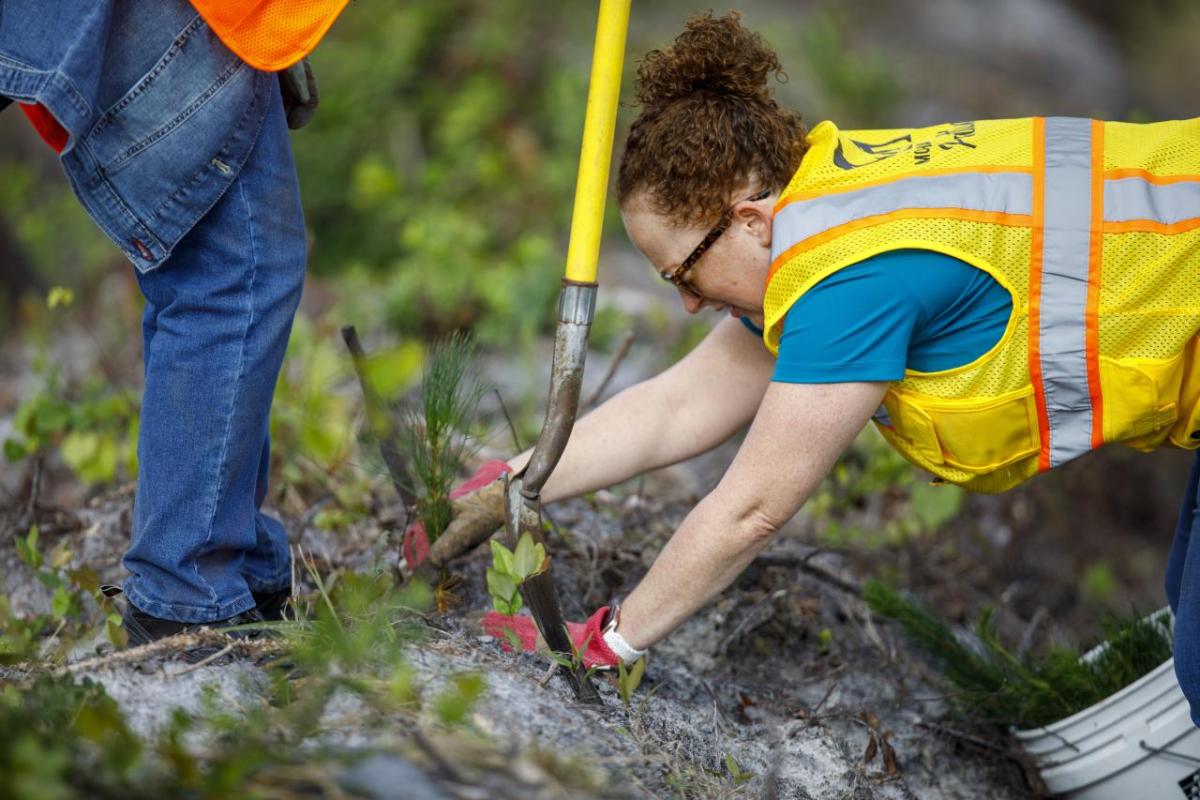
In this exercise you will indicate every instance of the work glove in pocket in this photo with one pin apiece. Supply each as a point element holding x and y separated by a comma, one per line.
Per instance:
<point>300,96</point>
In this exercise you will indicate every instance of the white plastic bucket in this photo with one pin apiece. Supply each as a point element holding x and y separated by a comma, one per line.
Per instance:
<point>1107,751</point>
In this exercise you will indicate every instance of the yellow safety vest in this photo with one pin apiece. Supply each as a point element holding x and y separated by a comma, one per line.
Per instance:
<point>1093,227</point>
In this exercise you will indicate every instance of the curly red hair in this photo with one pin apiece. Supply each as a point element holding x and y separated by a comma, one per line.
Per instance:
<point>709,126</point>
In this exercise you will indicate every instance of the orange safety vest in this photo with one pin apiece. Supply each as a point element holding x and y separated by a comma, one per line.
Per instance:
<point>270,34</point>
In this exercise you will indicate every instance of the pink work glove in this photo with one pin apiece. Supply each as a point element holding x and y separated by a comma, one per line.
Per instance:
<point>589,635</point>
<point>415,547</point>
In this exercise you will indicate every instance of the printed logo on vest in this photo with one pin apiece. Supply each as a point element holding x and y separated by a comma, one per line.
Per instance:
<point>956,135</point>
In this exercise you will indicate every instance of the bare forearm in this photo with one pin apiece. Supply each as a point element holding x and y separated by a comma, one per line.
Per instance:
<point>797,437</point>
<point>666,419</point>
<point>710,549</point>
<point>627,435</point>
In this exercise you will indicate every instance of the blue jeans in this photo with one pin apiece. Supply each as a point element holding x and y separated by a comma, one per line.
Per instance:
<point>179,153</point>
<point>216,325</point>
<point>1183,591</point>
<point>160,115</point>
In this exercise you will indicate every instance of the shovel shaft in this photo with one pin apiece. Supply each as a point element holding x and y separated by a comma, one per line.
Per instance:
<point>599,123</point>
<point>576,309</point>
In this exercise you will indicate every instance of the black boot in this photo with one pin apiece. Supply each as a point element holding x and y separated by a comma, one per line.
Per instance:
<point>142,628</point>
<point>274,605</point>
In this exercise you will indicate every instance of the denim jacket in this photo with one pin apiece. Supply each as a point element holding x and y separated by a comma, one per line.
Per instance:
<point>160,114</point>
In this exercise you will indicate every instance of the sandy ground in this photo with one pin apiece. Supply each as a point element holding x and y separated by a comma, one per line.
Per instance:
<point>749,678</point>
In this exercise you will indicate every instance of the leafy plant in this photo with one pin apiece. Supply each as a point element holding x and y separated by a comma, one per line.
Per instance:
<point>736,772</point>
<point>512,568</point>
<point>994,685</point>
<point>458,698</point>
<point>51,635</point>
<point>59,739</point>
<point>1098,583</point>
<point>311,422</point>
<point>629,678</point>
<point>872,472</point>
<point>452,201</point>
<point>92,426</point>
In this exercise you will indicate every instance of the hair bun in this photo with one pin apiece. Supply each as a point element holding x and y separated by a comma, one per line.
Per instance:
<point>713,55</point>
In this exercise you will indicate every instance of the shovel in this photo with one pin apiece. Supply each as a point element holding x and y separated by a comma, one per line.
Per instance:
<point>576,309</point>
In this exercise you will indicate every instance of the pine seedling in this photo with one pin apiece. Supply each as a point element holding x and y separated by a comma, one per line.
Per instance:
<point>994,685</point>
<point>435,429</point>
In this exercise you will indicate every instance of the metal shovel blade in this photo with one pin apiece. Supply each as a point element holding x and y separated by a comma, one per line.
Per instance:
<point>576,308</point>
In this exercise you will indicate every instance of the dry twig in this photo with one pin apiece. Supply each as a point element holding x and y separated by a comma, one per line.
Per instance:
<point>618,357</point>
<point>174,644</point>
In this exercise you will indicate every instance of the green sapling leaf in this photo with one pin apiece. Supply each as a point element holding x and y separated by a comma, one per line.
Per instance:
<point>27,548</point>
<point>502,558</point>
<point>513,639</point>
<point>14,450</point>
<point>60,604</point>
<point>503,590</point>
<point>524,562</point>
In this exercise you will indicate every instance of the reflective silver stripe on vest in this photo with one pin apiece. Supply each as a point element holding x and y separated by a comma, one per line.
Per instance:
<point>1062,338</point>
<point>882,416</point>
<point>1135,198</point>
<point>1003,192</point>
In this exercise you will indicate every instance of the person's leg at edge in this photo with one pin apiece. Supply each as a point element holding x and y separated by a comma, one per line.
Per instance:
<point>219,314</point>
<point>1182,583</point>
<point>268,569</point>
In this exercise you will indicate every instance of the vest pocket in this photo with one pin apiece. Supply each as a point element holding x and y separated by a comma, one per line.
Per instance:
<point>1139,405</point>
<point>977,436</point>
<point>1186,432</point>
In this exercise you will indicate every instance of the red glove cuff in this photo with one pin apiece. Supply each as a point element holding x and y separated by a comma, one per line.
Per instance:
<point>489,472</point>
<point>415,545</point>
<point>598,654</point>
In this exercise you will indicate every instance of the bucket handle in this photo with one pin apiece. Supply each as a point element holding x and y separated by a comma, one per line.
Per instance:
<point>1165,751</point>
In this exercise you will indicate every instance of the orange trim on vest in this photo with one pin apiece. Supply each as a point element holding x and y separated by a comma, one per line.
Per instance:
<point>1149,177</point>
<point>270,35</point>
<point>1035,289</point>
<point>1150,226</point>
<point>1092,313</point>
<point>798,196</point>
<point>966,214</point>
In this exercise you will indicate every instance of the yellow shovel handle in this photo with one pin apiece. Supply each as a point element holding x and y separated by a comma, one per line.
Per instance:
<point>591,186</point>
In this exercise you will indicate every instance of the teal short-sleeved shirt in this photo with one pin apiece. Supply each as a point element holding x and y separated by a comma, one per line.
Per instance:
<point>904,309</point>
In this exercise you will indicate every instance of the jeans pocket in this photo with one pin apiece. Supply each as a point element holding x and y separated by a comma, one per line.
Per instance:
<point>190,76</point>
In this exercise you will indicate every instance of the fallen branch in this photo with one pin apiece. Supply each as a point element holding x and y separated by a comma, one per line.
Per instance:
<point>173,644</point>
<point>968,738</point>
<point>224,651</point>
<point>389,443</point>
<point>804,563</point>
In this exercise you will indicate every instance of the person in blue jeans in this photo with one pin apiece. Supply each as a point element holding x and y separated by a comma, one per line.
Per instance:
<point>179,152</point>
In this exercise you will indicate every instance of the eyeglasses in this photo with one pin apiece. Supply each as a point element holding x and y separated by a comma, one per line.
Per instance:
<point>675,276</point>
